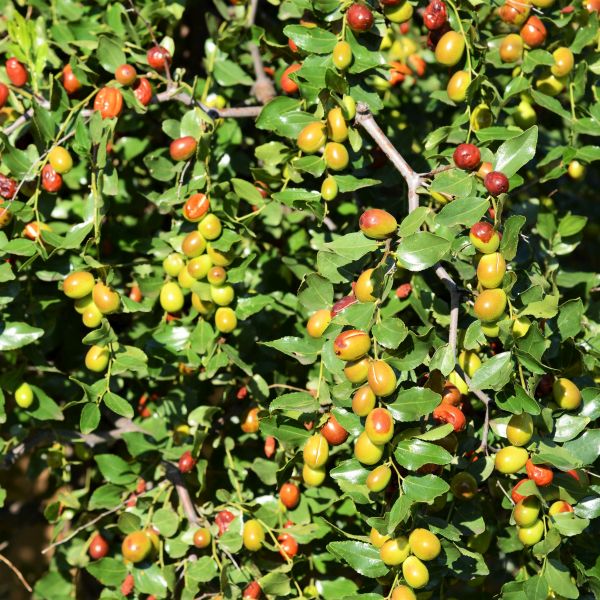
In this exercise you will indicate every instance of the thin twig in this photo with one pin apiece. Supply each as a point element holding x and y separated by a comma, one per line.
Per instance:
<point>215,113</point>
<point>16,572</point>
<point>436,171</point>
<point>174,476</point>
<point>454,306</point>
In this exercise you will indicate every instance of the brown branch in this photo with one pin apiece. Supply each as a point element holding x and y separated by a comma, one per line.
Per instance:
<point>216,113</point>
<point>174,476</point>
<point>263,88</point>
<point>454,306</point>
<point>436,171</point>
<point>16,572</point>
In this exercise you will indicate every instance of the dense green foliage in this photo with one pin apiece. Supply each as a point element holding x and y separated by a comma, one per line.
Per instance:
<point>187,410</point>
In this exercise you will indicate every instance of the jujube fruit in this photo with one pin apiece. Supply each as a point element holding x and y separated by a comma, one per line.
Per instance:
<point>449,50</point>
<point>484,237</point>
<point>109,102</point>
<point>513,11</point>
<point>377,539</point>
<point>253,535</point>
<point>173,264</point>
<point>329,188</point>
<point>287,84</point>
<point>352,344</point>
<point>202,538</point>
<point>318,323</point>
<point>521,326</point>
<point>78,284</point>
<point>312,137</point>
<point>511,48</point>
<point>223,520</point>
<point>158,57</point>
<point>195,207</point>
<point>496,183</point>
<point>491,270</point>
<point>435,15</point>
<point>402,592</point>
<point>510,459</point>
<point>316,451</point>
<point>225,319</point>
<point>313,477</point>
<point>359,17</point>
<point>98,547</point>
<point>136,547</point>
<point>142,90</point>
<point>399,12</point>
<point>558,507</point>
<point>222,295</point>
<point>576,170</point>
<point>467,157</point>
<point>16,72</point>
<point>379,426</point>
<point>125,74</point>
<point>333,432</point>
<point>69,80</point>
<point>378,478</point>
<point>171,297</point>
<point>363,290</point>
<point>24,395</point>
<point>220,259</point>
<point>377,224</point>
<point>183,148</point>
<point>342,55</point>
<point>288,546</point>
<point>519,430</point>
<point>534,32</point>
<point>381,378</point>
<point>186,462</point>
<point>336,156</point>
<point>515,494</point>
<point>563,62</point>
<point>415,572</point>
<point>424,544</point>
<point>289,494</point>
<point>60,159</point>
<point>251,592</point>
<point>458,85</point>
<point>51,180</point>
<point>105,299</point>
<point>531,535</point>
<point>451,394</point>
<point>447,413</point>
<point>210,227</point>
<point>395,551</point>
<point>365,451</point>
<point>363,401</point>
<point>490,305</point>
<point>337,129</point>
<point>251,422</point>
<point>566,394</point>
<point>193,244</point>
<point>540,474</point>
<point>199,266</point>
<point>216,275</point>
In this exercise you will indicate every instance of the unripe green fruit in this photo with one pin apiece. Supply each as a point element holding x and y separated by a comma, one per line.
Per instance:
<point>529,536</point>
<point>563,62</point>
<point>415,572</point>
<point>491,270</point>
<point>24,395</point>
<point>377,539</point>
<point>210,227</point>
<point>349,107</point>
<point>524,115</point>
<point>463,486</point>
<point>254,535</point>
<point>550,85</point>
<point>469,362</point>
<point>222,295</point>
<point>521,326</point>
<point>79,284</point>
<point>526,511</point>
<point>316,451</point>
<point>342,55</point>
<point>225,319</point>
<point>220,259</point>
<point>97,358</point>
<point>171,297</point>
<point>458,85</point>
<point>329,188</point>
<point>566,394</point>
<point>379,426</point>
<point>312,138</point>
<point>399,13</point>
<point>490,305</point>
<point>173,264</point>
<point>395,551</point>
<point>91,317</point>
<point>365,451</point>
<point>313,477</point>
<point>185,279</point>
<point>378,478</point>
<point>352,344</point>
<point>424,544</point>
<point>199,267</point>
<point>377,224</point>
<point>455,379</point>
<point>511,459</point>
<point>382,379</point>
<point>363,290</point>
<point>519,430</point>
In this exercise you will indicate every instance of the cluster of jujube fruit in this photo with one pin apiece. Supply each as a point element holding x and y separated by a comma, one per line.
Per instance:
<point>199,260</point>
